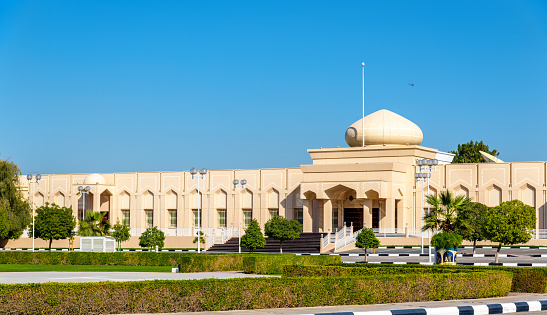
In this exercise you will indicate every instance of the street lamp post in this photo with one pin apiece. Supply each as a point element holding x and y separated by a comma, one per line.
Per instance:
<point>84,191</point>
<point>29,178</point>
<point>428,165</point>
<point>202,173</point>
<point>239,185</point>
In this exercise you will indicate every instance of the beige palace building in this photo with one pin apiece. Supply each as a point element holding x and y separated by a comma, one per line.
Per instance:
<point>374,185</point>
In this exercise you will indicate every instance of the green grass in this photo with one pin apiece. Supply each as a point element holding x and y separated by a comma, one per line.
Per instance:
<point>82,268</point>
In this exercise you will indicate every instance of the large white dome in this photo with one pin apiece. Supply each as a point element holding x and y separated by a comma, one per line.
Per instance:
<point>384,128</point>
<point>94,178</point>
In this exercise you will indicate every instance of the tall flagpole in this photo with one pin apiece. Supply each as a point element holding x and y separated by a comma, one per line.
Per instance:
<point>363,120</point>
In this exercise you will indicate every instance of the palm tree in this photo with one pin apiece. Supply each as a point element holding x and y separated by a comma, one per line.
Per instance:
<point>95,224</point>
<point>444,214</point>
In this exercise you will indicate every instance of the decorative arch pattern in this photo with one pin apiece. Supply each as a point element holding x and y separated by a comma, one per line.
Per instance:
<point>528,195</point>
<point>60,199</point>
<point>221,199</point>
<point>148,200</point>
<point>246,199</point>
<point>493,196</point>
<point>273,199</point>
<point>461,191</point>
<point>171,199</point>
<point>125,200</point>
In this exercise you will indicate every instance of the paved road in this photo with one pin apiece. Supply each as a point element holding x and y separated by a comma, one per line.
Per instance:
<point>41,277</point>
<point>513,255</point>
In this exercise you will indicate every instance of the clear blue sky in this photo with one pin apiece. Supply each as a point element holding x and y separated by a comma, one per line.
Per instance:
<point>127,86</point>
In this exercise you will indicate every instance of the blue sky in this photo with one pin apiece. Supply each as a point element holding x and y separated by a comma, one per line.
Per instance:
<point>127,86</point>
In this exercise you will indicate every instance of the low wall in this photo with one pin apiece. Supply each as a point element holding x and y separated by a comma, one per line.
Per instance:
<point>133,242</point>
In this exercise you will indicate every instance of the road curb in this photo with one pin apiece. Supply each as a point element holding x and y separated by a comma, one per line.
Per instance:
<point>481,309</point>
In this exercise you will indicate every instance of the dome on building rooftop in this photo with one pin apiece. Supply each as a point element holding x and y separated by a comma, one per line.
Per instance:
<point>384,128</point>
<point>94,178</point>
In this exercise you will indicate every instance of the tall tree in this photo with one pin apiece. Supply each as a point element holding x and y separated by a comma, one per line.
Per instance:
<point>253,237</point>
<point>282,229</point>
<point>94,224</point>
<point>366,239</point>
<point>53,223</point>
<point>470,222</point>
<point>120,232</point>
<point>443,215</point>
<point>469,152</point>
<point>512,222</point>
<point>151,238</point>
<point>15,211</point>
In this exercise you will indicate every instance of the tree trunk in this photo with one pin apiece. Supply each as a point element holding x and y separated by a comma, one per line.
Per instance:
<point>474,246</point>
<point>281,247</point>
<point>498,252</point>
<point>50,241</point>
<point>366,255</point>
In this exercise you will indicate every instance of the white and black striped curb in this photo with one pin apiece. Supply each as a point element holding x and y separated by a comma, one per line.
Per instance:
<point>503,308</point>
<point>460,264</point>
<point>77,250</point>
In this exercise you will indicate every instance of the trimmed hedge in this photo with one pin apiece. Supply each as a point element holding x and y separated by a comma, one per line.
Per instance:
<point>187,262</point>
<point>273,263</point>
<point>243,294</point>
<point>525,279</point>
<point>349,271</point>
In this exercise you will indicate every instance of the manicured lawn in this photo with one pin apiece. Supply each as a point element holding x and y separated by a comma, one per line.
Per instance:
<point>28,268</point>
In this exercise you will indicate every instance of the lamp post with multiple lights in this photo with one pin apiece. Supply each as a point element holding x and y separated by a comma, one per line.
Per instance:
<point>84,191</point>
<point>30,181</point>
<point>239,185</point>
<point>428,165</point>
<point>202,173</point>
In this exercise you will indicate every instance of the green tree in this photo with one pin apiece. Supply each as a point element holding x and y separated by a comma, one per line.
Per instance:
<point>95,224</point>
<point>470,222</point>
<point>253,237</point>
<point>15,211</point>
<point>445,241</point>
<point>469,152</point>
<point>366,239</point>
<point>201,238</point>
<point>151,238</point>
<point>512,222</point>
<point>53,223</point>
<point>443,215</point>
<point>120,232</point>
<point>282,229</point>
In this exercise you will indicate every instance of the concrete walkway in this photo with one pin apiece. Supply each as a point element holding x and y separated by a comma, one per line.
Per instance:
<point>52,276</point>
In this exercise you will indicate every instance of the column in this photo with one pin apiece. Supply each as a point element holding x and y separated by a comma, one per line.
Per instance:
<point>307,215</point>
<point>389,219</point>
<point>367,212</point>
<point>327,216</point>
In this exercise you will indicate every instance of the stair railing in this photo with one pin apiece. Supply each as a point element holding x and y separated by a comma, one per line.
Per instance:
<point>209,241</point>
<point>326,240</point>
<point>346,240</point>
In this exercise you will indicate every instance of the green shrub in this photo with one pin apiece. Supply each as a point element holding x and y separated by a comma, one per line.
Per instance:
<point>525,279</point>
<point>445,240</point>
<point>243,294</point>
<point>187,262</point>
<point>273,263</point>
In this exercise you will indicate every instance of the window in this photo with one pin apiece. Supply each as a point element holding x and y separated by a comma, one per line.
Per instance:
<point>173,218</point>
<point>196,222</point>
<point>299,215</point>
<point>247,217</point>
<point>149,218</point>
<point>334,219</point>
<point>273,212</point>
<point>126,217</point>
<point>221,218</point>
